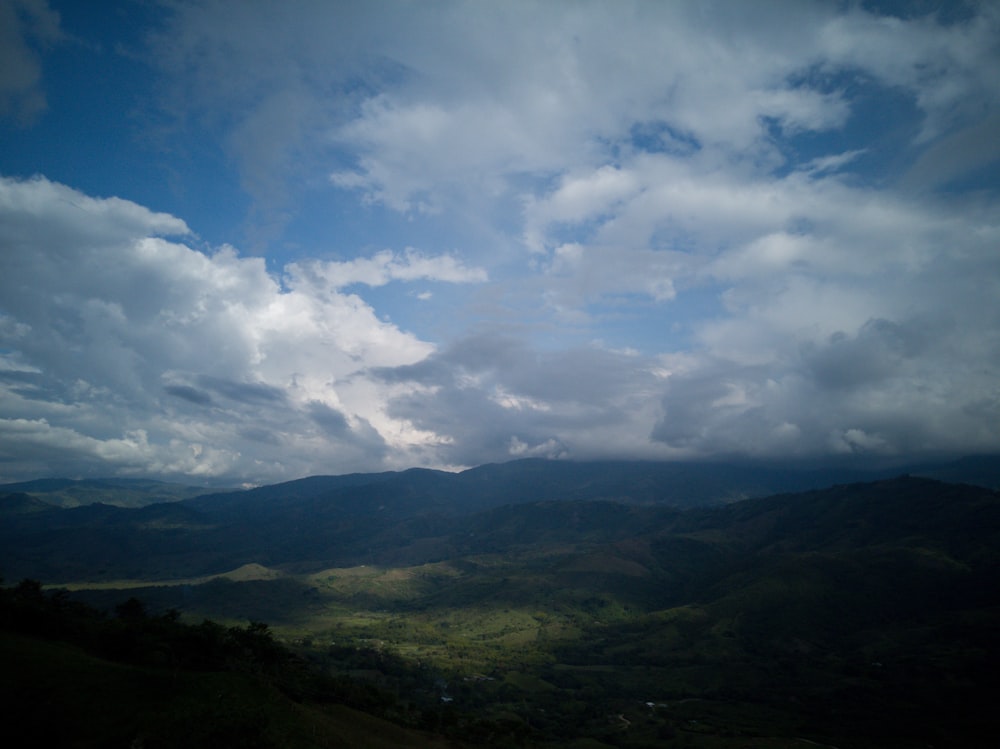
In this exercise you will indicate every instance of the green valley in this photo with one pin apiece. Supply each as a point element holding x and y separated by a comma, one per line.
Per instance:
<point>862,615</point>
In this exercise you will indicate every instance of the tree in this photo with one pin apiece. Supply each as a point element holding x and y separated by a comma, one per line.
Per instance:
<point>133,610</point>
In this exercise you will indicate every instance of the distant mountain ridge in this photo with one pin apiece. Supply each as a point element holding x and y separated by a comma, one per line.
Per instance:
<point>339,520</point>
<point>18,503</point>
<point>679,484</point>
<point>689,483</point>
<point>120,492</point>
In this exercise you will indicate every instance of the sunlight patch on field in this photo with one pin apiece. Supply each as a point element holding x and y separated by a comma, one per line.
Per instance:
<point>383,584</point>
<point>603,563</point>
<point>242,574</point>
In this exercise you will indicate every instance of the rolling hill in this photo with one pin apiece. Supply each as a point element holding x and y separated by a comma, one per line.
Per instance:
<point>119,492</point>
<point>339,520</point>
<point>600,606</point>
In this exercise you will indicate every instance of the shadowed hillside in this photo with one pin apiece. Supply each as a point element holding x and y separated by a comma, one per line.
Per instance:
<point>74,677</point>
<point>110,491</point>
<point>861,615</point>
<point>323,521</point>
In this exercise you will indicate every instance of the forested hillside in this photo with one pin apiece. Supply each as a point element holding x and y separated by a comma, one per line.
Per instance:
<point>861,615</point>
<point>324,521</point>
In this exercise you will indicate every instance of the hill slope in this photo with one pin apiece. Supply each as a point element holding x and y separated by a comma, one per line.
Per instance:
<point>110,491</point>
<point>326,521</point>
<point>862,615</point>
<point>72,678</point>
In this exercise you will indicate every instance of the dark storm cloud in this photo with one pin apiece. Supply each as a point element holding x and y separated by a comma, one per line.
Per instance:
<point>243,392</point>
<point>337,427</point>
<point>885,389</point>
<point>190,394</point>
<point>478,429</point>
<point>876,352</point>
<point>261,435</point>
<point>493,397</point>
<point>591,375</point>
<point>688,406</point>
<point>331,421</point>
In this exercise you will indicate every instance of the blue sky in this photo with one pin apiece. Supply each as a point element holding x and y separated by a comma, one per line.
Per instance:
<point>243,242</point>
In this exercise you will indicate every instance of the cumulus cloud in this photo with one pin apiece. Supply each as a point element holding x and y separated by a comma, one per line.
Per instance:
<point>123,344</point>
<point>700,229</point>
<point>629,126</point>
<point>492,397</point>
<point>536,98</point>
<point>434,110</point>
<point>940,65</point>
<point>777,384</point>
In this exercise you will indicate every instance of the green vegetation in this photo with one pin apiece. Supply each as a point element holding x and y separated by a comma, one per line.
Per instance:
<point>73,677</point>
<point>860,616</point>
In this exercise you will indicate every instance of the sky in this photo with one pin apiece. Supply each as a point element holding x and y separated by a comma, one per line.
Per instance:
<point>245,242</point>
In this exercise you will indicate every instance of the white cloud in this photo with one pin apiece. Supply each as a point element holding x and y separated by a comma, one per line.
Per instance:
<point>496,397</point>
<point>432,106</point>
<point>762,201</point>
<point>147,355</point>
<point>550,449</point>
<point>436,105</point>
<point>386,266</point>
<point>579,198</point>
<point>578,274</point>
<point>949,70</point>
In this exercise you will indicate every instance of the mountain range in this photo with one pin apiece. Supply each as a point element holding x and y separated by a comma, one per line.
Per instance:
<point>138,529</point>
<point>592,605</point>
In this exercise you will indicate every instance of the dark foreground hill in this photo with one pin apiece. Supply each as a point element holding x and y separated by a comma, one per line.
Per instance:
<point>73,677</point>
<point>861,615</point>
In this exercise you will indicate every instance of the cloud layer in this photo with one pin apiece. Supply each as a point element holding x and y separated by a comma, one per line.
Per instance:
<point>125,346</point>
<point>650,230</point>
<point>25,25</point>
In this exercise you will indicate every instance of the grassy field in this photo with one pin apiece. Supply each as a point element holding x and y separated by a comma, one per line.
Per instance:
<point>498,641</point>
